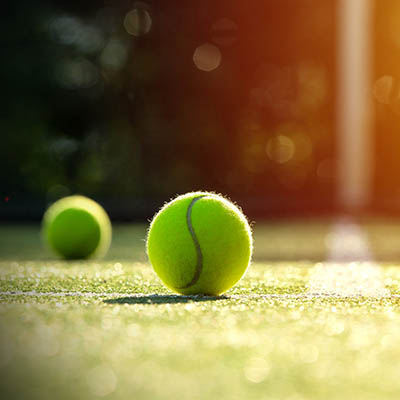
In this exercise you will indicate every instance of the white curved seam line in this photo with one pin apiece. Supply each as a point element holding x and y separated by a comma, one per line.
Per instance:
<point>199,254</point>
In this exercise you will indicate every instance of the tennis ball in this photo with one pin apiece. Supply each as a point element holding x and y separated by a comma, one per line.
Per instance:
<point>199,243</point>
<point>77,227</point>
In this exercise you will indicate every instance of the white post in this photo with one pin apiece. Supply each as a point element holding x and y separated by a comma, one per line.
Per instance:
<point>354,112</point>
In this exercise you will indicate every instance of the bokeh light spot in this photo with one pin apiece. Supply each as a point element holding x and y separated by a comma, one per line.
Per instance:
<point>308,354</point>
<point>383,88</point>
<point>275,89</point>
<point>65,29</point>
<point>302,142</point>
<point>77,74</point>
<point>69,30</point>
<point>254,157</point>
<point>207,57</point>
<point>280,149</point>
<point>224,32</point>
<point>114,55</point>
<point>256,370</point>
<point>91,40</point>
<point>138,22</point>
<point>101,381</point>
<point>62,147</point>
<point>312,86</point>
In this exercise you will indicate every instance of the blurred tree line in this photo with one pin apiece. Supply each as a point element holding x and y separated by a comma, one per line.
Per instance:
<point>124,100</point>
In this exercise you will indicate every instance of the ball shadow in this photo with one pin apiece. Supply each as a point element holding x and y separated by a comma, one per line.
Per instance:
<point>163,299</point>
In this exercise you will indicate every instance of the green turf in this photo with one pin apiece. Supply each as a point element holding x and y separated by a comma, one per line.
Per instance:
<point>109,329</point>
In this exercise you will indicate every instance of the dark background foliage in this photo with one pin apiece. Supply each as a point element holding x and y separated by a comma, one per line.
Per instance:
<point>105,99</point>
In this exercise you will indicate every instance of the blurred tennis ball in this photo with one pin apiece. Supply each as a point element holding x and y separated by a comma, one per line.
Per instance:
<point>77,227</point>
<point>200,243</point>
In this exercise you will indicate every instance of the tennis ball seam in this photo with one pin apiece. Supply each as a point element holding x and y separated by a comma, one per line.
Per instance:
<point>199,263</point>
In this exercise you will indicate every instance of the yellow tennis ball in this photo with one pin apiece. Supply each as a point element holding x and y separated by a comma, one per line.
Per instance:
<point>77,227</point>
<point>200,243</point>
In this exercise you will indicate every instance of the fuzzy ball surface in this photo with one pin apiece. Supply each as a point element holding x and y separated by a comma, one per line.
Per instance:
<point>200,243</point>
<point>77,227</point>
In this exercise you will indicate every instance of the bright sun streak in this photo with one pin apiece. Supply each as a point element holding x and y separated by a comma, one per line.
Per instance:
<point>350,269</point>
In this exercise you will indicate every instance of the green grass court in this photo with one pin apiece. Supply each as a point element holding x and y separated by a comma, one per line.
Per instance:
<point>109,329</point>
